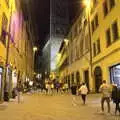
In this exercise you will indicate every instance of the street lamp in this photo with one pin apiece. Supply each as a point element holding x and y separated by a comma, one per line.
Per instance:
<point>66,41</point>
<point>35,49</point>
<point>87,3</point>
<point>31,83</point>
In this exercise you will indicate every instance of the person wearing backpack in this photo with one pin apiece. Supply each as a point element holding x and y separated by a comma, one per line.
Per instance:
<point>83,91</point>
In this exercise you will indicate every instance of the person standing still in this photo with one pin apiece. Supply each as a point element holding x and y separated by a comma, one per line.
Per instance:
<point>105,89</point>
<point>83,91</point>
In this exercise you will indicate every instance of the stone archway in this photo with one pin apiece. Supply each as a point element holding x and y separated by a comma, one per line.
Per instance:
<point>98,78</point>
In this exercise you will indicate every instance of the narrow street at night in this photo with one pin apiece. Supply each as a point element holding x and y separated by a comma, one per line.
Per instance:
<point>58,107</point>
<point>54,53</point>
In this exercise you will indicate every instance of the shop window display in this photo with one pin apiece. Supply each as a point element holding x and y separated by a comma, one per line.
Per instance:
<point>115,74</point>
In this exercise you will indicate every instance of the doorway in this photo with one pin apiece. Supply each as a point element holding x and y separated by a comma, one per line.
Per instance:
<point>86,77</point>
<point>98,78</point>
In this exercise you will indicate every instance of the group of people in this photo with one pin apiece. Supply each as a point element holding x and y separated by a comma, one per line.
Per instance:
<point>109,93</point>
<point>56,87</point>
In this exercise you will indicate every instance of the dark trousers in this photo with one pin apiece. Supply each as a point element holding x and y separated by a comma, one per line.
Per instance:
<point>107,99</point>
<point>83,98</point>
<point>117,108</point>
<point>57,89</point>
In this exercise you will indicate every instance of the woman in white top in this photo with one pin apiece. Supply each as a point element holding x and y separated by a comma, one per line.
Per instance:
<point>83,91</point>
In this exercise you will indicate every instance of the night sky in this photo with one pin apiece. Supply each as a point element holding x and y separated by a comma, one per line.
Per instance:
<point>40,17</point>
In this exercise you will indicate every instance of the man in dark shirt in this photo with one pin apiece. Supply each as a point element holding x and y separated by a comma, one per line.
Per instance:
<point>73,91</point>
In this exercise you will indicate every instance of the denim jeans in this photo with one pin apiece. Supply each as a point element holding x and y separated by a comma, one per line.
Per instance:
<point>107,99</point>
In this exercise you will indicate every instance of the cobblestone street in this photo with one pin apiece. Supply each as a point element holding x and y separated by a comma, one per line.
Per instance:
<point>59,107</point>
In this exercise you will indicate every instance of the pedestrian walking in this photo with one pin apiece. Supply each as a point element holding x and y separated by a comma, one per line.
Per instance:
<point>52,88</point>
<point>46,88</point>
<point>19,92</point>
<point>74,91</point>
<point>105,89</point>
<point>116,98</point>
<point>57,86</point>
<point>66,87</point>
<point>14,93</point>
<point>83,90</point>
<point>49,89</point>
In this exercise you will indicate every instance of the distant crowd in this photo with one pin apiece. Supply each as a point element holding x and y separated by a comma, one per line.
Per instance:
<point>110,92</point>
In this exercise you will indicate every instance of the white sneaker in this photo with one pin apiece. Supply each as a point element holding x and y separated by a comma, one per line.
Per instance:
<point>101,112</point>
<point>74,104</point>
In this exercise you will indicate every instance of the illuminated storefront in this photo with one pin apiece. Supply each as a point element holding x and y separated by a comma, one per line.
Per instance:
<point>115,74</point>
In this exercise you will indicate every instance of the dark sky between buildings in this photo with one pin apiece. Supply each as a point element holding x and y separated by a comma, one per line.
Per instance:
<point>40,17</point>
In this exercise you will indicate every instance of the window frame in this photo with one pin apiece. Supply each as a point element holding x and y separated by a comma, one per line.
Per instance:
<point>105,8</point>
<point>111,4</point>
<point>108,37</point>
<point>115,33</point>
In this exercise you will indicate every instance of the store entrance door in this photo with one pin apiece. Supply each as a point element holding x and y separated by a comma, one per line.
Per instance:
<point>98,78</point>
<point>115,74</point>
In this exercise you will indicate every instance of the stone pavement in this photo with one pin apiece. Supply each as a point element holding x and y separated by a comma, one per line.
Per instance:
<point>59,107</point>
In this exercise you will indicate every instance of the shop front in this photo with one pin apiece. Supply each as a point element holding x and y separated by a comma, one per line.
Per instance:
<point>1,79</point>
<point>115,74</point>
